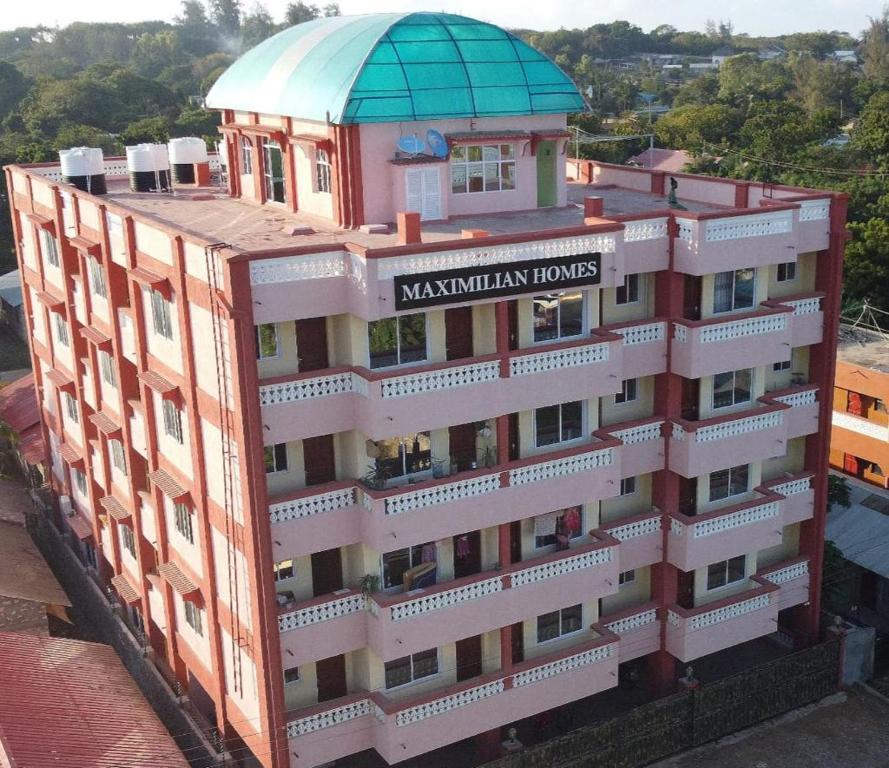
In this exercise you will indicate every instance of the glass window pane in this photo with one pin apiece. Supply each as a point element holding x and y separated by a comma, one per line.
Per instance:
<point>572,619</point>
<point>492,177</point>
<point>425,663</point>
<point>458,178</point>
<point>458,153</point>
<point>382,341</point>
<point>507,151</point>
<point>716,575</point>
<point>546,423</point>
<point>736,567</point>
<point>476,180</point>
<point>546,317</point>
<point>474,154</point>
<point>572,420</point>
<point>722,291</point>
<point>571,314</point>
<point>398,672</point>
<point>547,626</point>
<point>507,175</point>
<point>719,484</point>
<point>412,333</point>
<point>744,284</point>
<point>491,153</point>
<point>738,481</point>
<point>743,385</point>
<point>394,565</point>
<point>723,389</point>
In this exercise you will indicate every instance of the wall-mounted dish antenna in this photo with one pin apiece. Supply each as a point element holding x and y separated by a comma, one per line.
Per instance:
<point>438,146</point>
<point>411,145</point>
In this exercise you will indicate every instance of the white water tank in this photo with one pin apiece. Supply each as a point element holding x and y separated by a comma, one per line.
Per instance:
<point>149,167</point>
<point>185,153</point>
<point>84,167</point>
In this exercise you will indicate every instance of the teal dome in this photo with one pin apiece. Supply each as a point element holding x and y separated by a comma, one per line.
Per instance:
<point>390,67</point>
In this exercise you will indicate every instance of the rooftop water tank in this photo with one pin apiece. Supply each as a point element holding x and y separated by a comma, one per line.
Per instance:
<point>149,167</point>
<point>185,153</point>
<point>84,167</point>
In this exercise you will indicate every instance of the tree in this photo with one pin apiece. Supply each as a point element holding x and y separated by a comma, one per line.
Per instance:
<point>299,12</point>
<point>866,263</point>
<point>147,130</point>
<point>838,491</point>
<point>871,133</point>
<point>693,127</point>
<point>13,87</point>
<point>743,79</point>
<point>78,135</point>
<point>256,26</point>
<point>875,50</point>
<point>226,16</point>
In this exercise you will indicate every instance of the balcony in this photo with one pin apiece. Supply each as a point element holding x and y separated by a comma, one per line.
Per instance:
<point>640,537</point>
<point>798,503</point>
<point>717,241</point>
<point>814,223</point>
<point>859,436</point>
<point>700,447</point>
<point>792,578</point>
<point>638,628</point>
<point>807,320</point>
<point>752,525</point>
<point>746,340</point>
<point>696,632</point>
<point>401,729</point>
<point>382,403</point>
<point>642,448</point>
<point>396,625</point>
<point>802,417</point>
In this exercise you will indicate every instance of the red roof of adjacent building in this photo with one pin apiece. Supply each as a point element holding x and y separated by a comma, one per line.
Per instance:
<point>20,410</point>
<point>668,160</point>
<point>71,703</point>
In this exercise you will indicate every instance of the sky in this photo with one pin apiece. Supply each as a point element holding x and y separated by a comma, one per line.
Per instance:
<point>756,17</point>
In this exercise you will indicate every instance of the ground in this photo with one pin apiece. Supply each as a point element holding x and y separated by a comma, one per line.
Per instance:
<point>846,730</point>
<point>13,351</point>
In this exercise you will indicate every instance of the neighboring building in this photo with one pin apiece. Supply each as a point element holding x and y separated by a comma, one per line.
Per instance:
<point>845,56</point>
<point>71,703</point>
<point>11,311</point>
<point>721,54</point>
<point>859,442</point>
<point>668,160</point>
<point>20,414</point>
<point>373,487</point>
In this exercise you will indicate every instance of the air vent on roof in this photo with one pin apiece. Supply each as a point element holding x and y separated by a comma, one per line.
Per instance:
<point>185,153</point>
<point>149,167</point>
<point>84,167</point>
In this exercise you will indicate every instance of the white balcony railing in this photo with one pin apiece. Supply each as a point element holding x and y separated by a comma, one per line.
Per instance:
<point>567,465</point>
<point>560,666</point>
<point>641,433</point>
<point>440,378</point>
<point>734,428</point>
<point>448,703</point>
<point>645,229</point>
<point>797,399</point>
<point>721,614</point>
<point>862,426</point>
<point>791,487</point>
<point>558,359</point>
<point>742,227</point>
<point>447,598</point>
<point>634,622</point>
<point>307,389</point>
<point>635,529</point>
<point>554,568</point>
<point>438,494</point>
<point>642,334</point>
<point>791,572</point>
<point>329,717</point>
<point>808,306</point>
<point>814,210</point>
<point>733,520</point>
<point>748,326</point>
<point>330,609</point>
<point>307,506</point>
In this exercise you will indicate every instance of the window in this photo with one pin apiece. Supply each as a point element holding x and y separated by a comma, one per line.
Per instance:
<point>734,290</point>
<point>291,675</point>
<point>266,341</point>
<point>97,278</point>
<point>49,247</point>
<point>627,486</point>
<point>410,668</point>
<point>486,168</point>
<point>322,171</point>
<point>627,393</point>
<point>787,272</point>
<point>726,572</point>
<point>784,365</point>
<point>183,521</point>
<point>193,616</point>
<point>61,329</point>
<point>558,527</point>
<point>106,367</point>
<point>118,460</point>
<point>80,481</point>
<point>558,316</point>
<point>401,456</point>
<point>246,157</point>
<point>729,482</point>
<point>627,577</point>
<point>284,569</point>
<point>275,458</point>
<point>394,564</point>
<point>71,407</point>
<point>397,340</point>
<point>559,623</point>
<point>127,538</point>
<point>731,388</point>
<point>558,423</point>
<point>628,293</point>
<point>173,421</point>
<point>160,315</point>
<point>273,171</point>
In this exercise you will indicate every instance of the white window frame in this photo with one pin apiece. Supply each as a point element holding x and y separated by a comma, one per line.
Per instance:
<point>789,270</point>
<point>246,148</point>
<point>632,288</point>
<point>626,577</point>
<point>127,538</point>
<point>183,521</point>
<point>49,247</point>
<point>551,546</point>
<point>172,421</point>
<point>259,352</point>
<point>629,392</point>
<point>118,456</point>
<point>782,365</point>
<point>61,329</point>
<point>734,307</point>
<point>561,440</point>
<point>97,278</point>
<point>729,495</point>
<point>106,368</point>
<point>414,680</point>
<point>80,481</point>
<point>193,617</point>
<point>561,634</point>
<point>161,315</point>
<point>459,160</point>
<point>725,564</point>
<point>399,364</point>
<point>735,403</point>
<point>71,407</point>
<point>322,171</point>
<point>629,486</point>
<point>276,468</point>
<point>281,566</point>
<point>559,335</point>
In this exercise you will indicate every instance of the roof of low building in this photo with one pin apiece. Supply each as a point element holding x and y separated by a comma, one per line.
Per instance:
<point>392,67</point>
<point>71,703</point>
<point>18,404</point>
<point>861,530</point>
<point>657,159</point>
<point>867,347</point>
<point>11,288</point>
<point>24,574</point>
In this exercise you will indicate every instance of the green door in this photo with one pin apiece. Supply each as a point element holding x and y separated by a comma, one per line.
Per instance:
<point>546,174</point>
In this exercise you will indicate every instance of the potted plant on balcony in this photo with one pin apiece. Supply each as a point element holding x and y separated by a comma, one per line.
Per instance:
<point>368,584</point>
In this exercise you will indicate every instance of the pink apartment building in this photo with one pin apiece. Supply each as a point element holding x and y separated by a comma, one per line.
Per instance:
<point>411,427</point>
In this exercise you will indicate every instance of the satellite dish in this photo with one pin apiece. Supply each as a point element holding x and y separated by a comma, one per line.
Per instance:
<point>411,145</point>
<point>437,144</point>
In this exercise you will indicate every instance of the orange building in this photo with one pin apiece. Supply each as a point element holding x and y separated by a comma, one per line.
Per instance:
<point>859,442</point>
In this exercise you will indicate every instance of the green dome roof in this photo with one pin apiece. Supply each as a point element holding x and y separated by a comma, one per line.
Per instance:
<point>390,67</point>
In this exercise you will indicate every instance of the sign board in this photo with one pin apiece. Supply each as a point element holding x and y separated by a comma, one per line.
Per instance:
<point>453,286</point>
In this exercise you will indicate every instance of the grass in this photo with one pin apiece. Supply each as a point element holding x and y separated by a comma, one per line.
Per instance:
<point>13,351</point>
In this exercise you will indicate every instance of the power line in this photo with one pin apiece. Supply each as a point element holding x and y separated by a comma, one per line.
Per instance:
<point>796,166</point>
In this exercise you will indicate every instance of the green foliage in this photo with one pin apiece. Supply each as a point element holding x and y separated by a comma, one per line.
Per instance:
<point>871,133</point>
<point>146,130</point>
<point>695,127</point>
<point>838,491</point>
